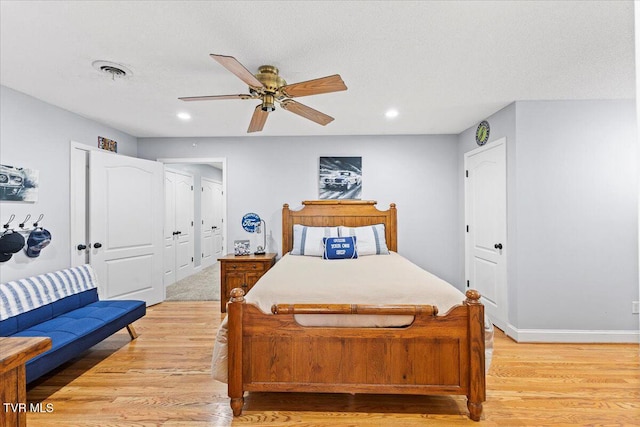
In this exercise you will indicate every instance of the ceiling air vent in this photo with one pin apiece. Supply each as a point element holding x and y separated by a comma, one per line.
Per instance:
<point>112,69</point>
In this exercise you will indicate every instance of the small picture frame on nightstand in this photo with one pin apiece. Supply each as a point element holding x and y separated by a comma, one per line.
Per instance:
<point>241,247</point>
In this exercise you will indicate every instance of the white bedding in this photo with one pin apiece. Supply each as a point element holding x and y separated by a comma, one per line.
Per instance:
<point>375,279</point>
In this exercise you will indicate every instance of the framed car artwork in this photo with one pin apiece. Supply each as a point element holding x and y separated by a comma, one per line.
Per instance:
<point>18,184</point>
<point>340,178</point>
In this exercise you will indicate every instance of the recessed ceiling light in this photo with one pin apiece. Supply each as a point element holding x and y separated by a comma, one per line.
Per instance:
<point>391,113</point>
<point>184,116</point>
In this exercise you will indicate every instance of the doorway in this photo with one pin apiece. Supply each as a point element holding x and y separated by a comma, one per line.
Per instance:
<point>209,230</point>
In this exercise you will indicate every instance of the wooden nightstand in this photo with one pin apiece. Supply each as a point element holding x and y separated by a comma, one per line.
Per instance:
<point>241,272</point>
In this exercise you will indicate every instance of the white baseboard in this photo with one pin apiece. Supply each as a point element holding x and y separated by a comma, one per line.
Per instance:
<point>572,336</point>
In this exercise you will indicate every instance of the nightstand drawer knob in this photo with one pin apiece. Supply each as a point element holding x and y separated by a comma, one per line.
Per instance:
<point>234,266</point>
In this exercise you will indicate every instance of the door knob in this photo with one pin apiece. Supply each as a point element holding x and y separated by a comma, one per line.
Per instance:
<point>82,247</point>
<point>498,246</point>
<point>97,245</point>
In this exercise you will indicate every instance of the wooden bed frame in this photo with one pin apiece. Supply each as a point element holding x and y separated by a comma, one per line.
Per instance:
<point>434,355</point>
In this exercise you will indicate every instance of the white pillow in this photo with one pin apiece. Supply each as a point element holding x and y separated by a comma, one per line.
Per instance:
<point>308,240</point>
<point>370,239</point>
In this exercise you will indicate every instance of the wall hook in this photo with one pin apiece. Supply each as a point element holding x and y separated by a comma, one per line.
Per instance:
<point>11,218</point>
<point>35,224</point>
<point>21,225</point>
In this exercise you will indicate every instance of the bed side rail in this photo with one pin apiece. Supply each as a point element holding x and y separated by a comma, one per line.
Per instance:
<point>412,310</point>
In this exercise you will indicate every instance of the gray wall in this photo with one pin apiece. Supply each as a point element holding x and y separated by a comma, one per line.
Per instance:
<point>418,173</point>
<point>572,197</point>
<point>37,135</point>
<point>577,214</point>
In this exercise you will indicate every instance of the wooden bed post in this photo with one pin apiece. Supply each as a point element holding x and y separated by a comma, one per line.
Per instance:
<point>235,381</point>
<point>287,230</point>
<point>477,385</point>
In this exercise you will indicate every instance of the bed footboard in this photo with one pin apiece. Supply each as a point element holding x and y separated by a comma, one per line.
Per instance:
<point>433,355</point>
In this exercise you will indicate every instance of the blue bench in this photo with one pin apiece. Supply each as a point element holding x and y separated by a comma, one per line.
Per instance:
<point>65,307</point>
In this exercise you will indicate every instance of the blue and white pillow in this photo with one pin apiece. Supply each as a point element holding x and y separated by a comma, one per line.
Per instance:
<point>308,240</point>
<point>371,239</point>
<point>340,248</point>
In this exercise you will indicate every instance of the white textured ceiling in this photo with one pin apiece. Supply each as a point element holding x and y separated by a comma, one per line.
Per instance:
<point>443,65</point>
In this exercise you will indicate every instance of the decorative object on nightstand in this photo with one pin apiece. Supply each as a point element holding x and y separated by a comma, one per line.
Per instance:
<point>252,223</point>
<point>242,272</point>
<point>241,247</point>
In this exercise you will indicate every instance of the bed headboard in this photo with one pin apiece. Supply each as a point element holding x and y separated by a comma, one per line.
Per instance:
<point>350,213</point>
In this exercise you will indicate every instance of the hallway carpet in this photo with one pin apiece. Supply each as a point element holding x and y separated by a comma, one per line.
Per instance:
<point>202,286</point>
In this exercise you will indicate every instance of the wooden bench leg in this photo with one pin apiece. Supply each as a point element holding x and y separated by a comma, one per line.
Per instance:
<point>132,332</point>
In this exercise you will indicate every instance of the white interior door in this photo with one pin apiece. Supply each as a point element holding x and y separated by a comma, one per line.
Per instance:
<point>218,218</point>
<point>126,221</point>
<point>184,209</point>
<point>211,221</point>
<point>169,228</point>
<point>486,219</point>
<point>79,209</point>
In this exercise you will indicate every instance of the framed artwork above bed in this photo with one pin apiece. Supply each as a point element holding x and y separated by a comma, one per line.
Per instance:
<point>340,178</point>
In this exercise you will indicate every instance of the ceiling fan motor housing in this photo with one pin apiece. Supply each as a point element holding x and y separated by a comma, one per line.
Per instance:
<point>268,76</point>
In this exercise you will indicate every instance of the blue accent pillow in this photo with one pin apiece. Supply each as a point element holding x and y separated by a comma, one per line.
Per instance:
<point>340,247</point>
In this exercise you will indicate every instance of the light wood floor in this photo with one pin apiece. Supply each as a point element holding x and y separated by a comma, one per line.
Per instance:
<point>163,378</point>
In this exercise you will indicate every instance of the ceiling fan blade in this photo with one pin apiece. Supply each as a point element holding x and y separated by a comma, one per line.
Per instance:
<point>314,87</point>
<point>258,119</point>
<point>306,112</point>
<point>215,97</point>
<point>232,64</point>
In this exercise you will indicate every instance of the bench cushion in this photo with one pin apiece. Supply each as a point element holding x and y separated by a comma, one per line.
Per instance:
<point>26,320</point>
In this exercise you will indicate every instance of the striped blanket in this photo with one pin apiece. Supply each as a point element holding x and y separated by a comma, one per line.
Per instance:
<point>27,294</point>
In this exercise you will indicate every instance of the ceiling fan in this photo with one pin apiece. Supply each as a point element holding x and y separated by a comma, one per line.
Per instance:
<point>270,88</point>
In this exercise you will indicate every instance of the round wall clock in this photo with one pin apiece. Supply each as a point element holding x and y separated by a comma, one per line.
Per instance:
<point>482,133</point>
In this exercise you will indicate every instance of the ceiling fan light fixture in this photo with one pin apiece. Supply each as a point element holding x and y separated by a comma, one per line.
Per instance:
<point>268,103</point>
<point>184,116</point>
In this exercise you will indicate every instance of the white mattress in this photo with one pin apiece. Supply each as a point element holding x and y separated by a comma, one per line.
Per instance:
<point>374,279</point>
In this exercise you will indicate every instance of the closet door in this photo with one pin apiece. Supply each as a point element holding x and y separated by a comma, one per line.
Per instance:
<point>184,211</point>
<point>169,228</point>
<point>211,222</point>
<point>178,227</point>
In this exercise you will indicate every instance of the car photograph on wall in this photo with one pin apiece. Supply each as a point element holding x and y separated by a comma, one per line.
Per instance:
<point>18,184</point>
<point>11,182</point>
<point>340,178</point>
